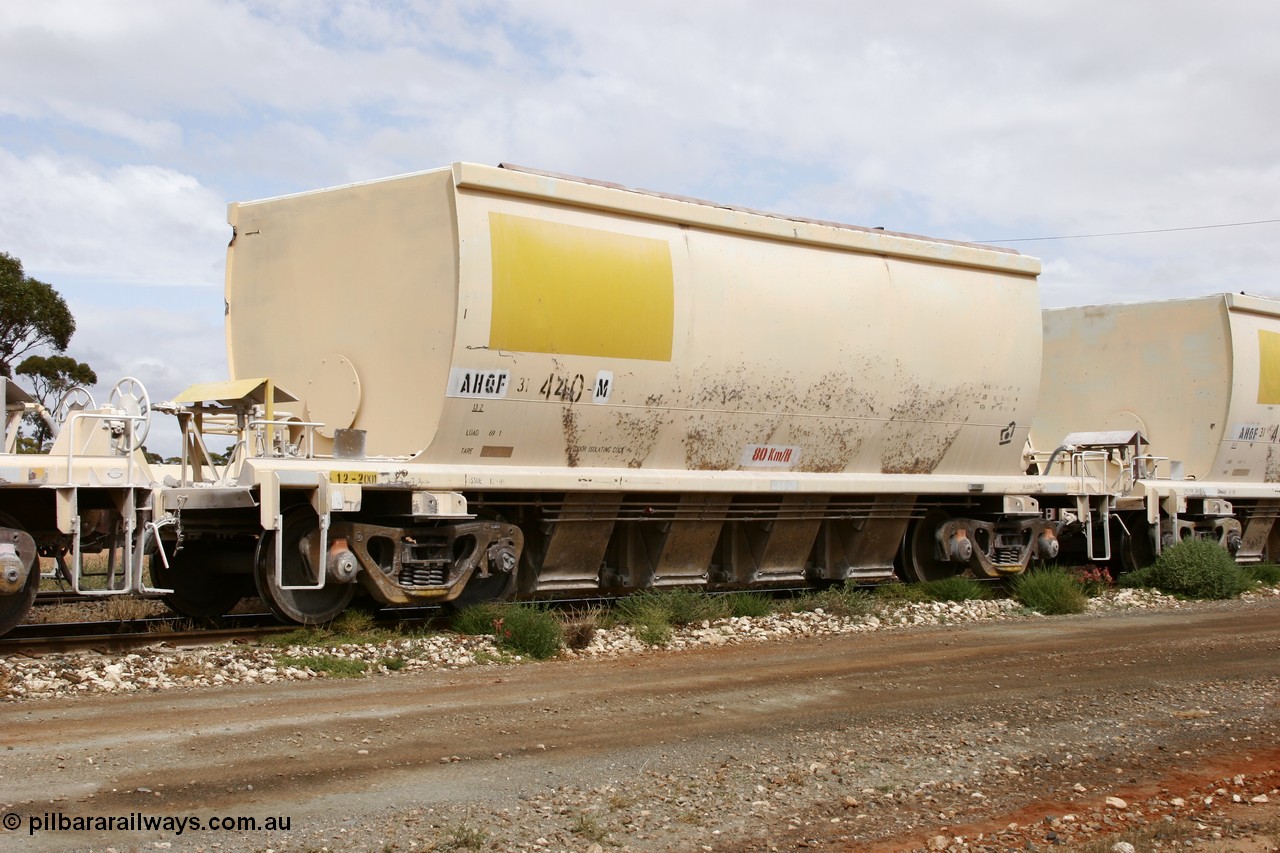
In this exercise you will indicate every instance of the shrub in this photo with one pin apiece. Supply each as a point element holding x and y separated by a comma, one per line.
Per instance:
<point>1195,568</point>
<point>1267,574</point>
<point>1050,591</point>
<point>955,589</point>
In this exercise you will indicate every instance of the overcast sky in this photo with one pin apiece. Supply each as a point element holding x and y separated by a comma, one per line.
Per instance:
<point>127,125</point>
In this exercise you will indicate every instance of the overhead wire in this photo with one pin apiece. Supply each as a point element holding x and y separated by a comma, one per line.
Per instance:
<point>1132,233</point>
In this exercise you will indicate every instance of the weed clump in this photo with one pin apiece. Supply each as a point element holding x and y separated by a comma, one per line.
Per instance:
<point>741,604</point>
<point>844,600</point>
<point>463,837</point>
<point>332,665</point>
<point>1051,591</point>
<point>580,629</point>
<point>1194,568</point>
<point>353,622</point>
<point>522,629</point>
<point>899,592</point>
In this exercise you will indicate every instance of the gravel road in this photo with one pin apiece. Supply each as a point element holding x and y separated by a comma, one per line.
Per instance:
<point>998,735</point>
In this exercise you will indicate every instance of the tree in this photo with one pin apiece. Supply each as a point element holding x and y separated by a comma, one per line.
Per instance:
<point>32,314</point>
<point>50,377</point>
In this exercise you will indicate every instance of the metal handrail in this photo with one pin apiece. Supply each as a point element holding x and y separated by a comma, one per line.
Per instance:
<point>308,432</point>
<point>1147,467</point>
<point>77,416</point>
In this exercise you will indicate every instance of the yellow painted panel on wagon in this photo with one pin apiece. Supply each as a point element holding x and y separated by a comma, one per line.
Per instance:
<point>1268,368</point>
<point>571,290</point>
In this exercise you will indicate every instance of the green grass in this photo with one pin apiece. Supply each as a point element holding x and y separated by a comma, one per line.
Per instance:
<point>352,627</point>
<point>1267,574</point>
<point>956,589</point>
<point>676,606</point>
<point>748,604</point>
<point>1193,568</point>
<point>647,615</point>
<point>329,664</point>
<point>652,615</point>
<point>476,620</point>
<point>653,631</point>
<point>529,630</point>
<point>1051,591</point>
<point>353,622</point>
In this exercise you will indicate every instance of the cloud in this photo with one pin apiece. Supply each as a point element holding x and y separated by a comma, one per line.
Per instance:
<point>168,338</point>
<point>132,224</point>
<point>988,120</point>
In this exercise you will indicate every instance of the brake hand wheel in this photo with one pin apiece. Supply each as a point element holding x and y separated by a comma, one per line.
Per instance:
<point>76,399</point>
<point>130,396</point>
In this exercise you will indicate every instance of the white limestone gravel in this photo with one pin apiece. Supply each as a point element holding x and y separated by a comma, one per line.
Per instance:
<point>162,668</point>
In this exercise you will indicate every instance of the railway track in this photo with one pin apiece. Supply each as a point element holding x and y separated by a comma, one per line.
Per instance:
<point>122,636</point>
<point>115,636</point>
<point>46,598</point>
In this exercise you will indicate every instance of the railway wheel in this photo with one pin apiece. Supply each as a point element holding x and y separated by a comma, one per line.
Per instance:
<point>1135,549</point>
<point>14,606</point>
<point>921,559</point>
<point>203,588</point>
<point>500,585</point>
<point>497,587</point>
<point>300,538</point>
